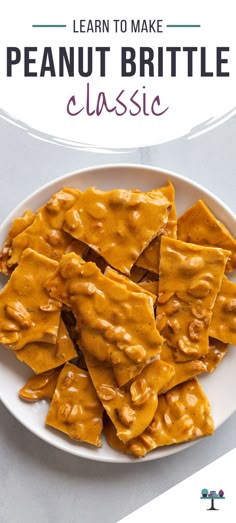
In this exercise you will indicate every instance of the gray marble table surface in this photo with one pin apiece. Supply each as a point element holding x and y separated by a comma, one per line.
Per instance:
<point>38,482</point>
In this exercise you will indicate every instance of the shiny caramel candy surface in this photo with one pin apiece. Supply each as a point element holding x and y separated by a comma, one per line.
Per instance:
<point>117,224</point>
<point>117,306</point>
<point>115,324</point>
<point>183,414</point>
<point>42,356</point>
<point>27,313</point>
<point>131,409</point>
<point>125,372</point>
<point>18,226</point>
<point>190,279</point>
<point>75,408</point>
<point>130,285</point>
<point>151,286</point>
<point>150,257</point>
<point>184,371</point>
<point>223,323</point>
<point>199,225</point>
<point>45,235</point>
<point>41,386</point>
<point>217,351</point>
<point>137,274</point>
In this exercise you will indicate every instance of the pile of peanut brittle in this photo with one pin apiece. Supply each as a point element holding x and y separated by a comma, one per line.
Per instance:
<point>117,306</point>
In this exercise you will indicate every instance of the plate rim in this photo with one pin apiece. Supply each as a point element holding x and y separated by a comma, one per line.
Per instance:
<point>98,167</point>
<point>86,454</point>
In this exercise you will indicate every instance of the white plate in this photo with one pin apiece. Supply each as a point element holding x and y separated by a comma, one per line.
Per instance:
<point>220,387</point>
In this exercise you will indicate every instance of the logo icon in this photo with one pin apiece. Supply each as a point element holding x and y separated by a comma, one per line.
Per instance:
<point>212,495</point>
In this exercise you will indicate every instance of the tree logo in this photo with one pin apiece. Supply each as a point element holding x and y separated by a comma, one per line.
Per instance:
<point>212,495</point>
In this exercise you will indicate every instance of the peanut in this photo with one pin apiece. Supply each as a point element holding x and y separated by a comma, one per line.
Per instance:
<point>195,328</point>
<point>106,392</point>
<point>18,312</point>
<point>139,391</point>
<point>135,353</point>
<point>200,289</point>
<point>126,415</point>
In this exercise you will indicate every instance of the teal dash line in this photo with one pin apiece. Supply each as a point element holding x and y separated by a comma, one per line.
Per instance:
<point>183,25</point>
<point>48,25</point>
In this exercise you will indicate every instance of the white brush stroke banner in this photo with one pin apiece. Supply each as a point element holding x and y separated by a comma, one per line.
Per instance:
<point>195,104</point>
<point>183,502</point>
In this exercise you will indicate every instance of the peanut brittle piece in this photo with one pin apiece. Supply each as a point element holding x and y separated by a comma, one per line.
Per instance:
<point>151,286</point>
<point>75,408</point>
<point>130,285</point>
<point>44,356</point>
<point>183,414</point>
<point>112,439</point>
<point>130,409</point>
<point>184,371</point>
<point>96,258</point>
<point>18,225</point>
<point>223,323</point>
<point>117,224</point>
<point>77,247</point>
<point>115,324</point>
<point>199,225</point>
<point>70,323</point>
<point>27,313</point>
<point>149,277</point>
<point>45,234</point>
<point>216,353</point>
<point>41,386</point>
<point>150,257</point>
<point>137,274</point>
<point>127,371</point>
<point>190,279</point>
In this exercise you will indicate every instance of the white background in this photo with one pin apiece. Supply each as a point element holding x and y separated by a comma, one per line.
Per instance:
<point>183,503</point>
<point>195,104</point>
